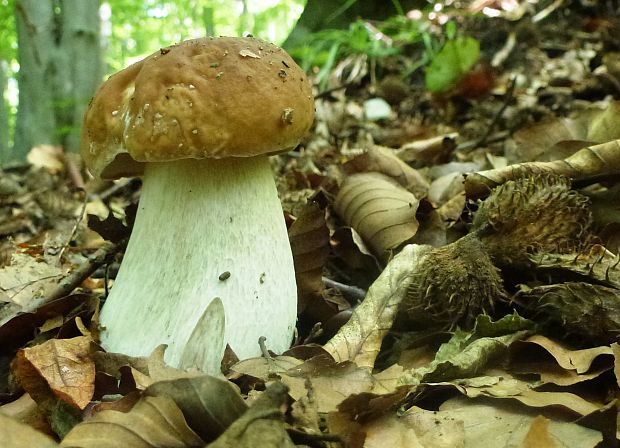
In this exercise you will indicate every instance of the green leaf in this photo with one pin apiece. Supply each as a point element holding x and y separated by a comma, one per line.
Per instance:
<point>448,66</point>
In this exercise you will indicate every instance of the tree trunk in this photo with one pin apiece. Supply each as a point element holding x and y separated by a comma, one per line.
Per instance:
<point>4,116</point>
<point>60,67</point>
<point>322,14</point>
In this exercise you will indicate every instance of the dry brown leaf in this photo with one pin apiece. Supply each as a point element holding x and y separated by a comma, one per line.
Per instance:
<point>430,151</point>
<point>379,209</point>
<point>507,387</point>
<point>383,160</point>
<point>262,426</point>
<point>415,428</point>
<point>65,365</point>
<point>309,238</point>
<point>616,350</point>
<point>27,278</point>
<point>209,404</point>
<point>598,160</point>
<point>154,422</point>
<point>538,435</point>
<point>489,425</point>
<point>263,368</point>
<point>14,434</point>
<point>359,340</point>
<point>305,412</point>
<point>332,382</point>
<point>25,410</point>
<point>577,360</point>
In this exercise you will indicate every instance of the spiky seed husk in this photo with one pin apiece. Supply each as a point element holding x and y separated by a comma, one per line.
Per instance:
<point>538,213</point>
<point>590,312</point>
<point>453,285</point>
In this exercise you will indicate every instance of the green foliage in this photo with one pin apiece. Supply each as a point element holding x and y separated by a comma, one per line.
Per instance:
<point>446,63</point>
<point>453,61</point>
<point>326,47</point>
<point>8,39</point>
<point>137,28</point>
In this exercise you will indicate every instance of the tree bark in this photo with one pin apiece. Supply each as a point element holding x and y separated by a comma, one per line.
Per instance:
<point>60,67</point>
<point>4,116</point>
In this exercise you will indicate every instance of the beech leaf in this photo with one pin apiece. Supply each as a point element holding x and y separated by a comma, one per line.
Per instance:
<point>359,340</point>
<point>209,404</point>
<point>65,365</point>
<point>154,422</point>
<point>379,209</point>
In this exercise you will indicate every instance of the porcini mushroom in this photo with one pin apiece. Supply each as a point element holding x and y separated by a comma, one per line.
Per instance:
<point>198,120</point>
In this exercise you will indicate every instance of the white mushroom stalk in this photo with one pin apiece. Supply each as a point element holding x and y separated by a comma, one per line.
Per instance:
<point>209,261</point>
<point>204,229</point>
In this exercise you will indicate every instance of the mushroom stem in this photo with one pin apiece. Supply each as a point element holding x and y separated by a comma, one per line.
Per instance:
<point>204,229</point>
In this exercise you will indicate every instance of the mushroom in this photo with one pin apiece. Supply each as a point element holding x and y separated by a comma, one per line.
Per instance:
<point>198,121</point>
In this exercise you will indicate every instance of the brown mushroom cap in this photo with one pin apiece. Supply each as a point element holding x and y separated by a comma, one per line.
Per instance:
<point>202,98</point>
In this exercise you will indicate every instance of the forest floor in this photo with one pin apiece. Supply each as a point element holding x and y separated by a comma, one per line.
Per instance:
<point>456,257</point>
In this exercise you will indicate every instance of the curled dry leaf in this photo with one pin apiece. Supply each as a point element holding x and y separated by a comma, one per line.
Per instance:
<point>555,363</point>
<point>154,422</point>
<point>209,404</point>
<point>331,381</point>
<point>380,210</point>
<point>65,365</point>
<point>432,150</point>
<point>383,160</point>
<point>578,360</point>
<point>14,434</point>
<point>262,426</point>
<point>309,237</point>
<point>561,137</point>
<point>592,161</point>
<point>359,340</point>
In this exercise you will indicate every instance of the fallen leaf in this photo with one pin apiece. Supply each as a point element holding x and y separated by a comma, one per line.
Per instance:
<point>14,434</point>
<point>309,238</point>
<point>262,426</point>
<point>383,160</point>
<point>415,428</point>
<point>379,209</point>
<point>27,278</point>
<point>491,425</point>
<point>592,161</point>
<point>359,340</point>
<point>209,404</point>
<point>154,422</point>
<point>579,361</point>
<point>65,365</point>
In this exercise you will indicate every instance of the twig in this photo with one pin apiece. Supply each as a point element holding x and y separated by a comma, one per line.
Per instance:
<point>263,347</point>
<point>73,280</point>
<point>542,14</point>
<point>507,98</point>
<point>353,292</point>
<point>315,332</point>
<point>471,144</point>
<point>75,226</point>
<point>74,171</point>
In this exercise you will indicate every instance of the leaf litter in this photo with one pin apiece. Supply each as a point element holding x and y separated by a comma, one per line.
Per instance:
<point>456,261</point>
